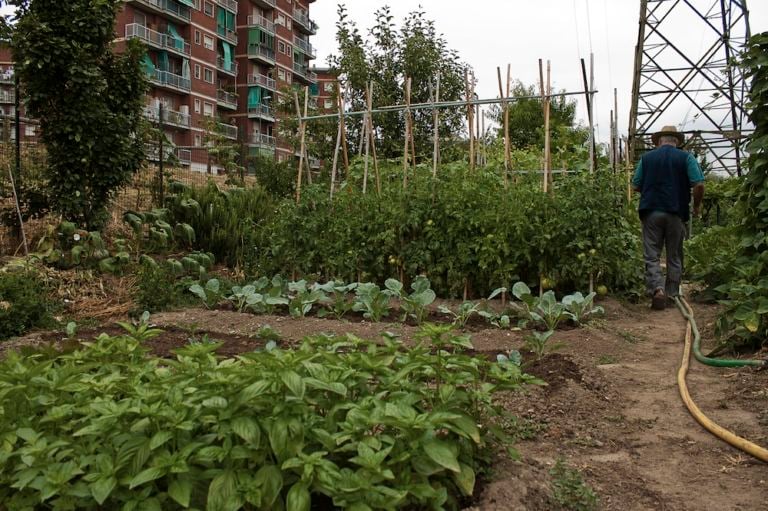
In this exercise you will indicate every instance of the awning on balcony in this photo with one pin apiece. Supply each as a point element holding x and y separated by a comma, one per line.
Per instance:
<point>178,41</point>
<point>254,96</point>
<point>148,65</point>
<point>185,68</point>
<point>314,89</point>
<point>190,3</point>
<point>225,19</point>
<point>227,56</point>
<point>162,61</point>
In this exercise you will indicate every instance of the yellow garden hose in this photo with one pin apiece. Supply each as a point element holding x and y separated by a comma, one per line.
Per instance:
<point>741,443</point>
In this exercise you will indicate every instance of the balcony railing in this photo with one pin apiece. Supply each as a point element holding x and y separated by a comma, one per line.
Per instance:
<point>172,80</point>
<point>184,156</point>
<point>262,111</point>
<point>257,50</point>
<point>228,130</point>
<point>152,153</point>
<point>304,47</point>
<point>303,71</point>
<point>7,77</point>
<point>7,96</point>
<point>227,33</point>
<point>221,65</point>
<point>228,4</point>
<point>156,39</point>
<point>261,22</point>
<point>171,117</point>
<point>262,140</point>
<point>170,7</point>
<point>266,4</point>
<point>262,80</point>
<point>226,98</point>
<point>301,19</point>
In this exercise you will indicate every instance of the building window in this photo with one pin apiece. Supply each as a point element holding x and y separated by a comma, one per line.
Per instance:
<point>288,25</point>
<point>29,130</point>
<point>328,104</point>
<point>288,50</point>
<point>281,74</point>
<point>197,71</point>
<point>208,75</point>
<point>208,42</point>
<point>208,8</point>
<point>197,106</point>
<point>198,140</point>
<point>288,77</point>
<point>280,19</point>
<point>197,37</point>
<point>328,87</point>
<point>208,109</point>
<point>281,47</point>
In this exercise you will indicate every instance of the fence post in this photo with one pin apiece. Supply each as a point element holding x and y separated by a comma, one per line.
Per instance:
<point>162,156</point>
<point>17,116</point>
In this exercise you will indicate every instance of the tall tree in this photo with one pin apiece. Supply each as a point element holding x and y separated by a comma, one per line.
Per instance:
<point>386,58</point>
<point>88,99</point>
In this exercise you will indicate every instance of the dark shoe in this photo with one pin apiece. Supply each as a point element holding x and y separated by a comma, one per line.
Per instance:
<point>659,300</point>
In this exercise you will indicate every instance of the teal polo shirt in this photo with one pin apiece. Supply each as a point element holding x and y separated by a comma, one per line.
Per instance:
<point>695,175</point>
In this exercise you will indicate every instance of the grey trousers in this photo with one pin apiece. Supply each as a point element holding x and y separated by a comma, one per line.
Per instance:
<point>663,230</point>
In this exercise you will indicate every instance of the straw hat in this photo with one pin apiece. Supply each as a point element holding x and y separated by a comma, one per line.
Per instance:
<point>668,131</point>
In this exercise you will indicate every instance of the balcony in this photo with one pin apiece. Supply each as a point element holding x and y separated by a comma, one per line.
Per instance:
<point>262,81</point>
<point>266,4</point>
<point>6,77</point>
<point>170,117</point>
<point>261,22</point>
<point>168,8</point>
<point>259,52</point>
<point>304,47</point>
<point>228,4</point>
<point>226,99</point>
<point>302,72</point>
<point>263,112</point>
<point>7,96</point>
<point>156,39</point>
<point>262,140</point>
<point>152,153</point>
<point>302,21</point>
<point>227,34</point>
<point>228,131</point>
<point>221,65</point>
<point>170,80</point>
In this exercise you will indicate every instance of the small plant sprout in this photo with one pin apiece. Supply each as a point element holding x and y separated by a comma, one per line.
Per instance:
<point>538,343</point>
<point>210,294</point>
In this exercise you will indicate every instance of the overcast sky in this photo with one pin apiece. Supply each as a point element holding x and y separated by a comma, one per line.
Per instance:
<point>491,33</point>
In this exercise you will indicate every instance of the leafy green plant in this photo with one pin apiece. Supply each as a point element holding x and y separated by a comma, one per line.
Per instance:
<point>415,304</point>
<point>538,343</point>
<point>271,429</point>
<point>462,314</point>
<point>545,311</point>
<point>337,296</point>
<point>160,286</point>
<point>569,490</point>
<point>371,301</point>
<point>24,301</point>
<point>302,298</point>
<point>579,308</point>
<point>210,295</point>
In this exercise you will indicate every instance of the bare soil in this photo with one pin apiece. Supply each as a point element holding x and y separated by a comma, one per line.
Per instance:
<point>611,409</point>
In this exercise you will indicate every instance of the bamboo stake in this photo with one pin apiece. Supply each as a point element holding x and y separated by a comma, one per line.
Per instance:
<point>436,116</point>
<point>612,157</point>
<point>592,149</point>
<point>469,121</point>
<point>336,149</point>
<point>369,100</point>
<point>411,131</point>
<point>301,149</point>
<point>508,141</point>
<point>343,129</point>
<point>483,142</point>
<point>407,130</point>
<point>616,126</point>
<point>6,135</point>
<point>545,106</point>
<point>306,154</point>
<point>504,107</point>
<point>365,139</point>
<point>550,175</point>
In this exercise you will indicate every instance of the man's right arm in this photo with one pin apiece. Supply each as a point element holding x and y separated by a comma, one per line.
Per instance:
<point>696,177</point>
<point>698,196</point>
<point>637,179</point>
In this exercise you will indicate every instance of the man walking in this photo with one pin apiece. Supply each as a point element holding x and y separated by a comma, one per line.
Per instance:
<point>664,177</point>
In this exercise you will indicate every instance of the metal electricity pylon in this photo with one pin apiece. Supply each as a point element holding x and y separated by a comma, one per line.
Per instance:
<point>685,75</point>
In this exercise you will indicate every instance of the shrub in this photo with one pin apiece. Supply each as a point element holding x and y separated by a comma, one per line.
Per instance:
<point>366,425</point>
<point>160,287</point>
<point>570,491</point>
<point>24,302</point>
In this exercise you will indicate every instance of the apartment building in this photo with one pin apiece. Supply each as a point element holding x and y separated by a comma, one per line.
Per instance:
<point>215,64</point>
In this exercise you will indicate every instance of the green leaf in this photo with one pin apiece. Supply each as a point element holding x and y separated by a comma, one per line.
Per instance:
<point>467,425</point>
<point>247,429</point>
<point>298,498</point>
<point>222,493</point>
<point>146,476</point>
<point>294,383</point>
<point>465,479</point>
<point>180,490</point>
<point>442,453</point>
<point>217,402</point>
<point>270,479</point>
<point>102,488</point>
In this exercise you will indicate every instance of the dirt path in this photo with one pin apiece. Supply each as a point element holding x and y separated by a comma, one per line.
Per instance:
<point>612,408</point>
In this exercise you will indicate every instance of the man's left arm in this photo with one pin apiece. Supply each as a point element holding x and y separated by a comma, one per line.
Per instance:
<point>637,179</point>
<point>696,177</point>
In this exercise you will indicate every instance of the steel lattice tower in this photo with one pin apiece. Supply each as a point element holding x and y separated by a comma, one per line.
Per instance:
<point>685,75</point>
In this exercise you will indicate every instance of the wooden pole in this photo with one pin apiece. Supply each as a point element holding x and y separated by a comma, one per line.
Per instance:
<point>366,142</point>
<point>545,105</point>
<point>407,130</point>
<point>6,137</point>
<point>436,117</point>
<point>340,107</point>
<point>470,124</point>
<point>505,114</point>
<point>301,148</point>
<point>369,101</point>
<point>411,134</point>
<point>588,95</point>
<point>616,127</point>
<point>592,151</point>
<point>613,147</point>
<point>343,129</point>
<point>306,154</point>
<point>548,141</point>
